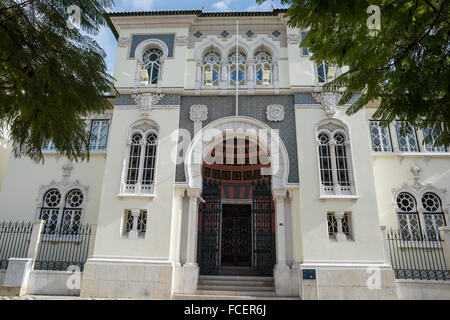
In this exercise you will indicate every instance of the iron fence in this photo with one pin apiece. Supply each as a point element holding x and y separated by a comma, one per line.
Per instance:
<point>14,241</point>
<point>417,256</point>
<point>59,251</point>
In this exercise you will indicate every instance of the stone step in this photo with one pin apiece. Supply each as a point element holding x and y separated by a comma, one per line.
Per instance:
<point>238,288</point>
<point>236,293</point>
<point>221,297</point>
<point>236,278</point>
<point>255,283</point>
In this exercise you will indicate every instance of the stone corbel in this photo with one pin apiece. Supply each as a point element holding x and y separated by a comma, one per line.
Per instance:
<point>198,113</point>
<point>275,112</point>
<point>146,102</point>
<point>328,100</point>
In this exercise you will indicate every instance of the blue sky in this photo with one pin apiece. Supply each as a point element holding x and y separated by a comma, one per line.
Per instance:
<point>106,39</point>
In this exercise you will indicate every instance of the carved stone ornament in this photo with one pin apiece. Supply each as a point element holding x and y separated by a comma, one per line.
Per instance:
<point>67,170</point>
<point>181,41</point>
<point>275,112</point>
<point>147,101</point>
<point>328,100</point>
<point>198,112</point>
<point>293,38</point>
<point>123,41</point>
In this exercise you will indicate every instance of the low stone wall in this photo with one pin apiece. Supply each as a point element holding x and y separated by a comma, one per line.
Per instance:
<point>347,283</point>
<point>138,280</point>
<point>56,283</point>
<point>423,290</point>
<point>2,276</point>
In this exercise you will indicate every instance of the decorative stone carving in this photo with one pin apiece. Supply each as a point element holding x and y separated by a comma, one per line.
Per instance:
<point>198,113</point>
<point>67,170</point>
<point>147,101</point>
<point>416,171</point>
<point>123,41</point>
<point>275,112</point>
<point>293,38</point>
<point>328,100</point>
<point>181,41</point>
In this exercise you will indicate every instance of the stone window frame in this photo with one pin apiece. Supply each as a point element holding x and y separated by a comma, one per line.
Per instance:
<point>145,128</point>
<point>134,224</point>
<point>331,128</point>
<point>340,225</point>
<point>417,191</point>
<point>139,54</point>
<point>64,188</point>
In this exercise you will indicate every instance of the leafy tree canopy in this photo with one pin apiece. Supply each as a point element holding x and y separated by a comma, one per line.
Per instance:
<point>404,64</point>
<point>51,74</point>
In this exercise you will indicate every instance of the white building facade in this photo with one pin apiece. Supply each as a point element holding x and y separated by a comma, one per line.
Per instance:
<point>187,180</point>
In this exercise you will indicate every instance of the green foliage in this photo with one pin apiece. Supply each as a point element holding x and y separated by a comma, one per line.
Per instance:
<point>51,75</point>
<point>405,64</point>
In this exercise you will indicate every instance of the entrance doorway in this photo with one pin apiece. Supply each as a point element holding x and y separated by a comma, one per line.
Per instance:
<point>236,235</point>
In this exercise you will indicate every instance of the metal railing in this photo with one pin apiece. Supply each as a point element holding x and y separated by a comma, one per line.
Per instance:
<point>59,251</point>
<point>417,256</point>
<point>14,241</point>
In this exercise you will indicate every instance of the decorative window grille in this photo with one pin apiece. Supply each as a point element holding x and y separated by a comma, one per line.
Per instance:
<point>408,217</point>
<point>141,164</point>
<point>381,140</point>
<point>62,218</point>
<point>71,221</point>
<point>263,62</point>
<point>241,73</point>
<point>433,215</point>
<point>99,135</point>
<point>135,224</point>
<point>152,63</point>
<point>339,224</point>
<point>50,210</point>
<point>322,72</point>
<point>408,141</point>
<point>211,63</point>
<point>341,161</point>
<point>431,144</point>
<point>325,161</point>
<point>134,159</point>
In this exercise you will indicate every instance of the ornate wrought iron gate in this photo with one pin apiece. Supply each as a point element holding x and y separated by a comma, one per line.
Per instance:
<point>208,241</point>
<point>263,233</point>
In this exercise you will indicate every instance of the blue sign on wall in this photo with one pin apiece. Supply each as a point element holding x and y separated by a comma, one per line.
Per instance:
<point>309,274</point>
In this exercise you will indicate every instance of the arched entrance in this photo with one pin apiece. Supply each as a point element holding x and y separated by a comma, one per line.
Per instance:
<point>238,223</point>
<point>237,220</point>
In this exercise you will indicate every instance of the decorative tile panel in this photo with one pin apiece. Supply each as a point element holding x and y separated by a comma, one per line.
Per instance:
<point>249,106</point>
<point>168,39</point>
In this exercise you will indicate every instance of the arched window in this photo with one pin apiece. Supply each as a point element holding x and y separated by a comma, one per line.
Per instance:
<point>334,159</point>
<point>211,63</point>
<point>50,210</point>
<point>341,160</point>
<point>139,172</point>
<point>322,72</point>
<point>433,215</point>
<point>151,60</point>
<point>71,221</point>
<point>325,161</point>
<point>241,73</point>
<point>263,62</point>
<point>408,217</point>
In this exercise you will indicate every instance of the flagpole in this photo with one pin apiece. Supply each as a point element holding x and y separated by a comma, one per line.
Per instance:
<point>237,68</point>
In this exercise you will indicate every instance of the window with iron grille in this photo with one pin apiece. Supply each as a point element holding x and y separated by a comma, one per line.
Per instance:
<point>136,224</point>
<point>325,160</point>
<point>380,135</point>
<point>407,138</point>
<point>408,217</point>
<point>98,135</point>
<point>341,160</point>
<point>62,217</point>
<point>433,215</point>
<point>430,141</point>
<point>334,225</point>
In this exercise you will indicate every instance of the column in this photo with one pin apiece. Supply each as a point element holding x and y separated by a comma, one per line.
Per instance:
<point>250,74</point>
<point>336,186</point>
<point>193,195</point>
<point>134,233</point>
<point>444,233</point>
<point>138,186</point>
<point>279,196</point>
<point>340,236</point>
<point>198,76</point>
<point>276,76</point>
<point>126,160</point>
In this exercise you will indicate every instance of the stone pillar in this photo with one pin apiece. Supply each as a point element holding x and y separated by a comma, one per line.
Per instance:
<point>35,239</point>
<point>340,236</point>
<point>444,233</point>
<point>198,76</point>
<point>250,75</point>
<point>138,187</point>
<point>276,76</point>
<point>134,233</point>
<point>279,196</point>
<point>92,240</point>
<point>193,195</point>
<point>387,253</point>
<point>126,160</point>
<point>337,187</point>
